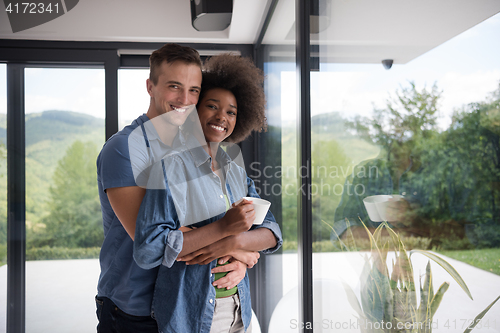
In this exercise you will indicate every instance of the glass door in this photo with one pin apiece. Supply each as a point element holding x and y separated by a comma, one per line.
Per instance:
<point>405,138</point>
<point>65,110</point>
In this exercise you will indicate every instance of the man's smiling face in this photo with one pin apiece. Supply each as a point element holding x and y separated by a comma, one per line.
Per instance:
<point>178,86</point>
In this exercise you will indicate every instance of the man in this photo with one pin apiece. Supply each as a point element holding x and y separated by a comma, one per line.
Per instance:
<point>125,290</point>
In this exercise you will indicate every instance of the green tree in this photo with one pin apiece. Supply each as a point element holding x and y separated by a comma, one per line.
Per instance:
<point>408,119</point>
<point>75,216</point>
<point>466,160</point>
<point>409,116</point>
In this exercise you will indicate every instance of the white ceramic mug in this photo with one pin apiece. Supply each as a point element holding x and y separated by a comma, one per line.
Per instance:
<point>261,207</point>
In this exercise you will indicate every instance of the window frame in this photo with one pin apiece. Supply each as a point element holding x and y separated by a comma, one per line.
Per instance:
<point>21,54</point>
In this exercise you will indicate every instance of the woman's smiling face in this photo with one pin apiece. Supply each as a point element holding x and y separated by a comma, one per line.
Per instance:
<point>217,112</point>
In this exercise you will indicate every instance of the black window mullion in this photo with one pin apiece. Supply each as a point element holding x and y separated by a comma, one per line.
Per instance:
<point>302,12</point>
<point>111,66</point>
<point>16,200</point>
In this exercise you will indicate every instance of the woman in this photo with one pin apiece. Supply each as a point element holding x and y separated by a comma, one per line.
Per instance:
<point>202,183</point>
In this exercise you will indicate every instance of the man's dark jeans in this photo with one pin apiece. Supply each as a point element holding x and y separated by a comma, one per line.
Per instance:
<point>113,320</point>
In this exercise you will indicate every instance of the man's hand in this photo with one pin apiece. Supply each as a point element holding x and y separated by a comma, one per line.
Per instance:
<point>237,271</point>
<point>249,258</point>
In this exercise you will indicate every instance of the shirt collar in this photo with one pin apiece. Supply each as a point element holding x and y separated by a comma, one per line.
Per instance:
<point>195,148</point>
<point>151,131</point>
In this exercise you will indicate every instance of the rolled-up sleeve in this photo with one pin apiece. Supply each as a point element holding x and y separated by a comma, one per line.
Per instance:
<point>157,238</point>
<point>269,221</point>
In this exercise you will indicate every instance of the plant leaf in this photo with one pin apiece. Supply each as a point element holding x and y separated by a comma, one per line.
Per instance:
<point>350,236</point>
<point>443,263</point>
<point>403,272</point>
<point>342,244</point>
<point>384,295</point>
<point>480,316</point>
<point>426,296</point>
<point>374,247</point>
<point>436,300</point>
<point>370,302</point>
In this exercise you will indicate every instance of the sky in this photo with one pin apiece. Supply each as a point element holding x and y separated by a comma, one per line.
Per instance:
<point>466,68</point>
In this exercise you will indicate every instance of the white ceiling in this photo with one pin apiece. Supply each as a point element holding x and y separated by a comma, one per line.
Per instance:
<point>360,31</point>
<point>142,21</point>
<point>368,31</point>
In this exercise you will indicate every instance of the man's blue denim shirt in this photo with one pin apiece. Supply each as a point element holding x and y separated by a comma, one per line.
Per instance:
<point>184,297</point>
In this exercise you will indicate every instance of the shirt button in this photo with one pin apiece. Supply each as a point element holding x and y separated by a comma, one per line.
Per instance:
<point>221,196</point>
<point>211,301</point>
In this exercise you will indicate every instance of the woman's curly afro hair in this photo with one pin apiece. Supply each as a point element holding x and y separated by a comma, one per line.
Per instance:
<point>241,77</point>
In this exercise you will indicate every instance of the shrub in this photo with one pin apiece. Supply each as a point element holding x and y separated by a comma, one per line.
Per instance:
<point>454,243</point>
<point>483,235</point>
<point>48,253</point>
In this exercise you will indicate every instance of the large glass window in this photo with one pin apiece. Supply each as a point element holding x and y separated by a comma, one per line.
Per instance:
<point>405,156</point>
<point>133,98</point>
<point>276,180</point>
<point>404,141</point>
<point>64,133</point>
<point>276,174</point>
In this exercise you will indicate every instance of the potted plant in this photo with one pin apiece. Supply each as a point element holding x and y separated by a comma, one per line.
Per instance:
<point>388,298</point>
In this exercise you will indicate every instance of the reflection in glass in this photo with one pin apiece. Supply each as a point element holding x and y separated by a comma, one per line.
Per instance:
<point>416,147</point>
<point>64,133</point>
<point>278,182</point>
<point>277,171</point>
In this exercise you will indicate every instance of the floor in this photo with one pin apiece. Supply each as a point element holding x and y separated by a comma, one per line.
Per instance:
<point>60,295</point>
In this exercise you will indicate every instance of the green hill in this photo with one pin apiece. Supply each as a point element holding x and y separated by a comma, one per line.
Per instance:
<point>329,127</point>
<point>58,125</point>
<point>48,135</point>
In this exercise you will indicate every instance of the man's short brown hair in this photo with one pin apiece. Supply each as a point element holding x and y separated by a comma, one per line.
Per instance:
<point>170,53</point>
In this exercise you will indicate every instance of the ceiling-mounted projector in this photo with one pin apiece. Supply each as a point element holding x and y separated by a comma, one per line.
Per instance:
<point>211,15</point>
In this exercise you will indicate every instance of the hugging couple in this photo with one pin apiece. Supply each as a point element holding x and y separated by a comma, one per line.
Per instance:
<point>178,238</point>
